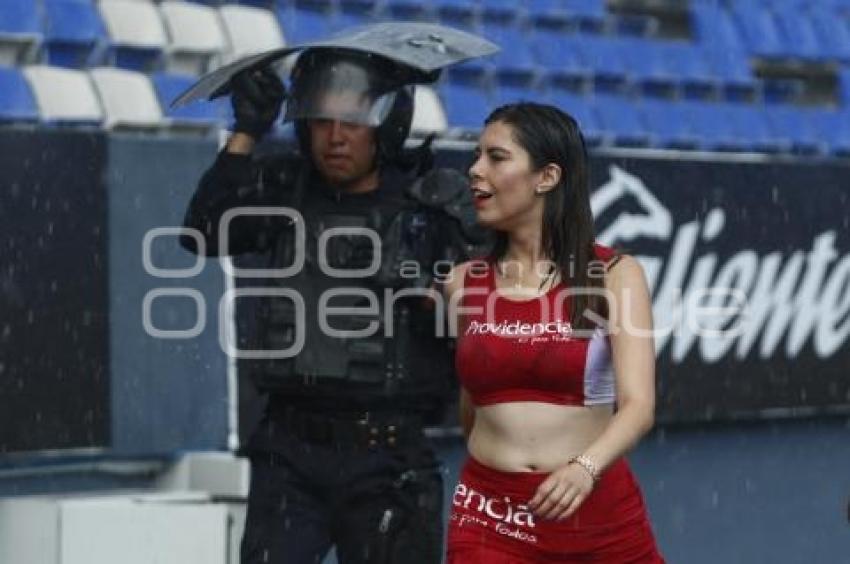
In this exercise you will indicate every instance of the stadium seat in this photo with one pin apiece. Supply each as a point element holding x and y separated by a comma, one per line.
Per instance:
<point>648,68</point>
<point>621,123</point>
<point>128,98</point>
<point>588,14</point>
<point>790,124</point>
<point>466,98</point>
<point>689,64</point>
<point>559,55</point>
<point>73,32</point>
<point>304,24</point>
<point>832,32</point>
<point>516,58</point>
<point>714,27</point>
<point>199,115</point>
<point>413,10</point>
<point>605,57</point>
<point>749,123</point>
<point>428,113</point>
<point>137,36</point>
<point>197,38</point>
<point>582,111</point>
<point>20,31</point>
<point>509,93</point>
<point>64,96</point>
<point>712,126</point>
<point>353,14</point>
<point>505,10</point>
<point>732,69</point>
<point>251,30</point>
<point>799,32</point>
<point>833,128</point>
<point>667,125</point>
<point>759,29</point>
<point>460,14</point>
<point>17,104</point>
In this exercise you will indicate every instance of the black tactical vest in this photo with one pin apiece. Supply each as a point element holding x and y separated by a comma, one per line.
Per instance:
<point>368,337</point>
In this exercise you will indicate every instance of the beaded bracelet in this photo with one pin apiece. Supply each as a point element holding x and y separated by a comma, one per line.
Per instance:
<point>588,465</point>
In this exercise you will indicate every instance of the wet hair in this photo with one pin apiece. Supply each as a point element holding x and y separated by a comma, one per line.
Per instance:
<point>550,135</point>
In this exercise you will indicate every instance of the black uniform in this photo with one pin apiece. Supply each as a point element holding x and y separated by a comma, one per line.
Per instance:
<point>340,456</point>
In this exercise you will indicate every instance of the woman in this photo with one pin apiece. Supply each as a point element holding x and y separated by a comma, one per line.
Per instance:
<point>555,357</point>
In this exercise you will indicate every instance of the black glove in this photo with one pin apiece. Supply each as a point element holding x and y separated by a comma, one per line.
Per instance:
<point>256,99</point>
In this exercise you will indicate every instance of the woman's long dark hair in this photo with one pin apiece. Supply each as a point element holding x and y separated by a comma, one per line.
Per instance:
<point>550,135</point>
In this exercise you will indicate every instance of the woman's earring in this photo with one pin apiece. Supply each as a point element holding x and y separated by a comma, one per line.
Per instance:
<point>538,190</point>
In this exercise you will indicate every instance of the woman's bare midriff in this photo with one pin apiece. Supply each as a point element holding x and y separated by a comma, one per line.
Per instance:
<point>534,436</point>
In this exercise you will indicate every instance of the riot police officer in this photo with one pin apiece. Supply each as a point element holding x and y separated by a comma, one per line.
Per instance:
<point>340,457</point>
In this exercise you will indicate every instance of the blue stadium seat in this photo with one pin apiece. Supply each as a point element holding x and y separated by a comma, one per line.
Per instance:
<point>20,30</point>
<point>511,93</point>
<point>667,125</point>
<point>73,30</point>
<point>197,114</point>
<point>648,68</point>
<point>351,16</point>
<point>833,128</point>
<point>467,105</point>
<point>589,14</point>
<point>500,9</point>
<point>714,27</point>
<point>711,124</point>
<point>302,24</point>
<point>792,126</point>
<point>17,103</point>
<point>689,64</point>
<point>844,86</point>
<point>605,57</point>
<point>558,54</point>
<point>419,10</point>
<point>582,110</point>
<point>832,31</point>
<point>516,58</point>
<point>799,32</point>
<point>460,14</point>
<point>585,15</point>
<point>749,122</point>
<point>620,120</point>
<point>733,70</point>
<point>760,31</point>
<point>547,12</point>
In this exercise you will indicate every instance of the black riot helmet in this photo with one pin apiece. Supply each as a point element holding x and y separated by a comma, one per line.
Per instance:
<point>356,87</point>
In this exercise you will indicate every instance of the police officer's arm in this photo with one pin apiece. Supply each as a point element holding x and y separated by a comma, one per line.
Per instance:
<point>235,180</point>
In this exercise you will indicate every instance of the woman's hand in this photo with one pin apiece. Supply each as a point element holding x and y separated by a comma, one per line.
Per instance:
<point>562,492</point>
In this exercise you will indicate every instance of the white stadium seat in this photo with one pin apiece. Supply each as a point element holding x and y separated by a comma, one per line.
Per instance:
<point>197,37</point>
<point>128,98</point>
<point>64,95</point>
<point>134,24</point>
<point>428,113</point>
<point>251,30</point>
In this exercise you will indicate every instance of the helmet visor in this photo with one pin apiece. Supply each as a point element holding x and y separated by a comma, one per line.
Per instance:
<point>339,91</point>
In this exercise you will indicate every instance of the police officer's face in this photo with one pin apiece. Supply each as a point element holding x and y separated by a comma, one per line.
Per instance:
<point>343,151</point>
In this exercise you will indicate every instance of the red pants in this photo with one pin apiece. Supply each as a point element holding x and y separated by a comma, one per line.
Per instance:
<point>490,522</point>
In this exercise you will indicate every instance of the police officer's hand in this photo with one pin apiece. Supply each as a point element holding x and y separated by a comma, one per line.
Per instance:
<point>256,99</point>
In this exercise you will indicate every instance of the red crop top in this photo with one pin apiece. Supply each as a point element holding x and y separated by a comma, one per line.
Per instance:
<point>521,353</point>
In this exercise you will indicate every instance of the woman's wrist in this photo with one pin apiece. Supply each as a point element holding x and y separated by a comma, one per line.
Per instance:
<point>588,465</point>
